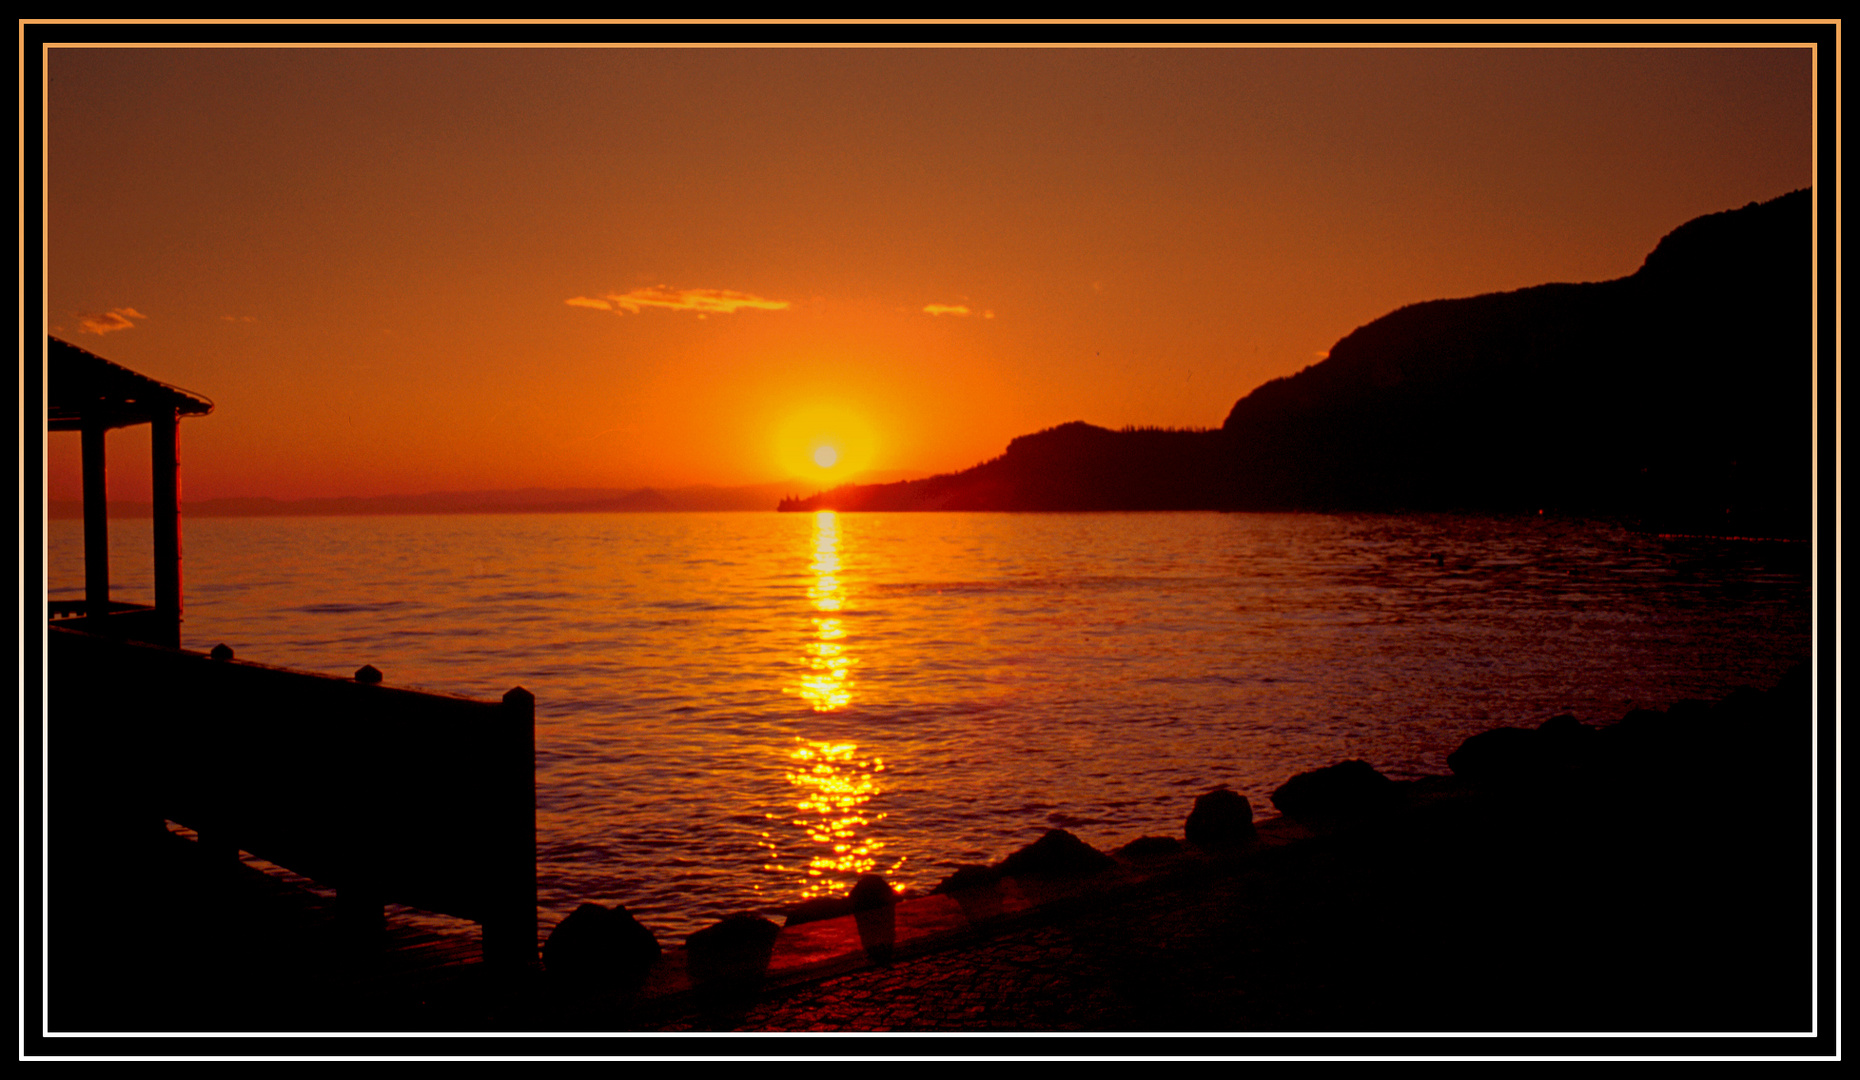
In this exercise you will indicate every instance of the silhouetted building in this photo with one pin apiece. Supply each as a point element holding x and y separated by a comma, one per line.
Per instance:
<point>90,395</point>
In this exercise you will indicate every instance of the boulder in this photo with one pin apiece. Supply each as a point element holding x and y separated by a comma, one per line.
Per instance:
<point>868,893</point>
<point>1151,847</point>
<point>1642,734</point>
<point>818,909</point>
<point>968,876</point>
<point>1057,854</point>
<point>1221,818</point>
<point>735,949</point>
<point>1742,706</point>
<point>871,891</point>
<point>1501,755</point>
<point>1566,741</point>
<point>1345,789</point>
<point>596,946</point>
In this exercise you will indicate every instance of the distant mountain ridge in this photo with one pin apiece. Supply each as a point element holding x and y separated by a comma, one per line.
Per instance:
<point>1678,396</point>
<point>522,501</point>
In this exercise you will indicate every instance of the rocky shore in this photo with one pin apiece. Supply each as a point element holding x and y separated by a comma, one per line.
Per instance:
<point>1651,875</point>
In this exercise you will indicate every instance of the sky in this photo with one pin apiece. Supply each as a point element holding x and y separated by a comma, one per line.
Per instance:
<point>398,270</point>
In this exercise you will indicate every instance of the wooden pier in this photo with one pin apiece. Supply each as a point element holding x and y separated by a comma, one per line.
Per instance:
<point>173,776</point>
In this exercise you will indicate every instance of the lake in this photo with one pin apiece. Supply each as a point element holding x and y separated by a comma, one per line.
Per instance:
<point>737,711</point>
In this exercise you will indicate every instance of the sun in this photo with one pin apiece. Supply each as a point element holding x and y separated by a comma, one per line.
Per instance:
<point>825,442</point>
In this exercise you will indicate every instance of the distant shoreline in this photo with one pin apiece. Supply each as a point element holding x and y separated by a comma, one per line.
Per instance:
<point>532,501</point>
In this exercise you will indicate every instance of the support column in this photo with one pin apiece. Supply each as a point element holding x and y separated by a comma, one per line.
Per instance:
<point>165,492</point>
<point>510,922</point>
<point>96,524</point>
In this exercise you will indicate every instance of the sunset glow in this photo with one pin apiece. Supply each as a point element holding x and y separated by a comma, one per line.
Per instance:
<point>404,270</point>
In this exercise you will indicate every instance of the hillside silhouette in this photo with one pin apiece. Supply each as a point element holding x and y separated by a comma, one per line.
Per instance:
<point>1677,396</point>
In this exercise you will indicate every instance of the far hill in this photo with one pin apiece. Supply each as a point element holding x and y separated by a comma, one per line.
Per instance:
<point>523,501</point>
<point>1678,395</point>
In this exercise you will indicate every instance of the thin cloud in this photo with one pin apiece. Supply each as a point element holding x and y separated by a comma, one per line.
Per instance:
<point>702,301</point>
<point>961,311</point>
<point>110,321</point>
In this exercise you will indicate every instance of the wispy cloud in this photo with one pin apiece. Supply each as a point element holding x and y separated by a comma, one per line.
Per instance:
<point>958,310</point>
<point>702,301</point>
<point>110,321</point>
<point>238,318</point>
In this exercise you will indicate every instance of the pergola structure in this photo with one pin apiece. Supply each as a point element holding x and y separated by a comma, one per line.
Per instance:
<point>90,395</point>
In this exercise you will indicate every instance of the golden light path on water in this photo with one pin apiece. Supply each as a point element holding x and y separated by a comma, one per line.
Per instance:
<point>828,683</point>
<point>833,782</point>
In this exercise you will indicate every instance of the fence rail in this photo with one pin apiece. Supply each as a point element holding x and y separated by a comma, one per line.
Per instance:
<point>385,794</point>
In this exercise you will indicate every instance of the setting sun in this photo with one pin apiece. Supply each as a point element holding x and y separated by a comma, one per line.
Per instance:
<point>825,442</point>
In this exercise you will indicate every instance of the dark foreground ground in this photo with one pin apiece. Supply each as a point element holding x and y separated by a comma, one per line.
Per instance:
<point>1650,877</point>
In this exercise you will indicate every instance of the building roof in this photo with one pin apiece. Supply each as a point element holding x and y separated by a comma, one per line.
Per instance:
<point>84,388</point>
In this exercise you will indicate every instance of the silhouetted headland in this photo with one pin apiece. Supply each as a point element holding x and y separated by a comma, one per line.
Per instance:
<point>1676,397</point>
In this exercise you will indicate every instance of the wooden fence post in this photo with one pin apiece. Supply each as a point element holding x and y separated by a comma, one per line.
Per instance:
<point>165,491</point>
<point>510,924</point>
<point>96,525</point>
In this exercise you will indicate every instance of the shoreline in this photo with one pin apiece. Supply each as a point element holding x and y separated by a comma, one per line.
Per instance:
<point>1561,882</point>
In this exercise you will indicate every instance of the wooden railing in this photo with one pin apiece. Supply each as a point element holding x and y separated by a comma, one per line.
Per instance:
<point>385,794</point>
<point>129,622</point>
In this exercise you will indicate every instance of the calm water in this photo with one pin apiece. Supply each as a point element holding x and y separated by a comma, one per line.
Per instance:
<point>737,711</point>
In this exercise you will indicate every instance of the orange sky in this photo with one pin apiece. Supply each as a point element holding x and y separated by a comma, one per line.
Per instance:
<point>398,271</point>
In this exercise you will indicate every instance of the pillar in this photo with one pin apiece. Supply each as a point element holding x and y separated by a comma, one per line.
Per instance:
<point>96,524</point>
<point>165,493</point>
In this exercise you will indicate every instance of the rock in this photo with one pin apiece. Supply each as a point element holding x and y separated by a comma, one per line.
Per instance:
<point>596,946</point>
<point>734,949</point>
<point>368,673</point>
<point>222,651</point>
<point>1564,726</point>
<point>1345,789</point>
<point>1566,741</point>
<point>818,909</point>
<point>1221,818</point>
<point>968,876</point>
<point>1642,734</point>
<point>868,893</point>
<point>1151,847</point>
<point>1057,854</point>
<point>871,891</point>
<point>1796,685</point>
<point>1501,755</point>
<point>1742,706</point>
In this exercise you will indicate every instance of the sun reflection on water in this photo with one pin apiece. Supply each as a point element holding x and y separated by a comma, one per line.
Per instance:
<point>834,785</point>
<point>827,683</point>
